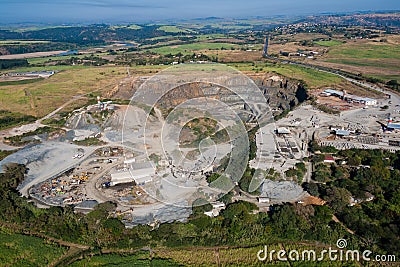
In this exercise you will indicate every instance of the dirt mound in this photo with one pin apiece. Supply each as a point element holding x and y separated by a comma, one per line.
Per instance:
<point>82,120</point>
<point>311,200</point>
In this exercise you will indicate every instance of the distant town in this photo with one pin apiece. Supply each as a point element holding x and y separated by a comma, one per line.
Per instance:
<point>199,143</point>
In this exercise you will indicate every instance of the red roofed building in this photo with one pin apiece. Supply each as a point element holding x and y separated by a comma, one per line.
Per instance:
<point>329,159</point>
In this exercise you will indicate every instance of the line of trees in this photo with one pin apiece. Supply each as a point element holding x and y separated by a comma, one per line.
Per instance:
<point>12,63</point>
<point>237,225</point>
<point>375,223</point>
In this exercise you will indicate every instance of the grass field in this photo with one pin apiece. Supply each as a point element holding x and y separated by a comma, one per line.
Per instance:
<point>204,37</point>
<point>230,26</point>
<point>22,42</point>
<point>172,29</point>
<point>10,119</point>
<point>329,43</point>
<point>194,257</point>
<point>189,48</point>
<point>41,60</point>
<point>160,38</point>
<point>43,96</point>
<point>34,28</point>
<point>376,59</point>
<point>139,260</point>
<point>313,78</point>
<point>20,250</point>
<point>57,67</point>
<point>366,51</point>
<point>20,82</point>
<point>385,77</point>
<point>389,64</point>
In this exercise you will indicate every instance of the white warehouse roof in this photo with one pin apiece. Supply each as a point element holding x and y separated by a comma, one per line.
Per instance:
<point>365,100</point>
<point>282,130</point>
<point>139,176</point>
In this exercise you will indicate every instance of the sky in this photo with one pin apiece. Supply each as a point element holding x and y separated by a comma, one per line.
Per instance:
<point>114,11</point>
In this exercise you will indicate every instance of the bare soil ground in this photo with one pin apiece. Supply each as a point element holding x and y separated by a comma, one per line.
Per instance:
<point>227,56</point>
<point>365,70</point>
<point>32,55</point>
<point>337,103</point>
<point>15,79</point>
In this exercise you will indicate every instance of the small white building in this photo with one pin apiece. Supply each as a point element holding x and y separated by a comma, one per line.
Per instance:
<point>263,200</point>
<point>282,130</point>
<point>213,213</point>
<point>370,102</point>
<point>130,161</point>
<point>218,205</point>
<point>217,208</point>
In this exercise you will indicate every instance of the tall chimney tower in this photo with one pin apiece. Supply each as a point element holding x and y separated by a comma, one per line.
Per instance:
<point>265,50</point>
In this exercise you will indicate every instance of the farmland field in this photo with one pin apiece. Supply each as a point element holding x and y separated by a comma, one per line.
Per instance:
<point>366,51</point>
<point>329,43</point>
<point>41,60</point>
<point>241,256</point>
<point>22,42</point>
<point>210,36</point>
<point>5,83</point>
<point>172,29</point>
<point>43,96</point>
<point>139,260</point>
<point>376,59</point>
<point>32,55</point>
<point>189,48</point>
<point>20,250</point>
<point>313,78</point>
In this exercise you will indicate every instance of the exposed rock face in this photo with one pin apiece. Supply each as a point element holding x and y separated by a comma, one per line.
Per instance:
<point>193,90</point>
<point>125,88</point>
<point>281,93</point>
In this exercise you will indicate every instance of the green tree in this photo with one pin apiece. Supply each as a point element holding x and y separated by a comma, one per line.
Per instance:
<point>337,198</point>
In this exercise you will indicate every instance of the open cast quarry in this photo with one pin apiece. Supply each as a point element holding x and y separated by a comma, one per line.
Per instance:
<point>152,157</point>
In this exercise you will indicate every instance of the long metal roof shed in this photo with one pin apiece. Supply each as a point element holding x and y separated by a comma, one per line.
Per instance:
<point>342,132</point>
<point>393,126</point>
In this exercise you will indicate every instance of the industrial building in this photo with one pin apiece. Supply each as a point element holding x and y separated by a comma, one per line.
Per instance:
<point>351,98</point>
<point>393,126</point>
<point>342,133</point>
<point>140,173</point>
<point>282,130</point>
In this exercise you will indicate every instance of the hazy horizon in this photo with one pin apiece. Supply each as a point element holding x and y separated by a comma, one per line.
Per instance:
<point>108,11</point>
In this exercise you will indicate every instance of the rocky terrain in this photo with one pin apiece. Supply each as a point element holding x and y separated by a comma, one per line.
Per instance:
<point>281,93</point>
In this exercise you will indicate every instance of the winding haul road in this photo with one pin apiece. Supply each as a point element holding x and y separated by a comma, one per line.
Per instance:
<point>394,96</point>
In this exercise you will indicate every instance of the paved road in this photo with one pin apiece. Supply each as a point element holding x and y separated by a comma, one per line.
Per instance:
<point>394,96</point>
<point>56,172</point>
<point>92,191</point>
<point>308,174</point>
